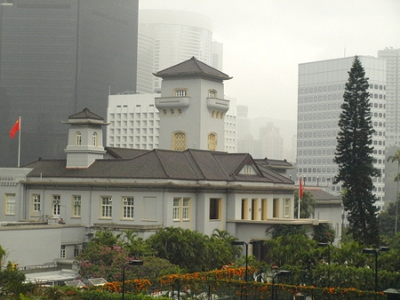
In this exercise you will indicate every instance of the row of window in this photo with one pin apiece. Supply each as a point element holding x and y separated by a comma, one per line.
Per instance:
<point>183,92</point>
<point>179,141</point>
<point>334,87</point>
<point>78,138</point>
<point>251,211</point>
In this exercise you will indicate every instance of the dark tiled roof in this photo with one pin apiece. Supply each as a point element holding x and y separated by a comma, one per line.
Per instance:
<point>274,163</point>
<point>192,68</point>
<point>320,195</point>
<point>161,164</point>
<point>126,153</point>
<point>86,114</point>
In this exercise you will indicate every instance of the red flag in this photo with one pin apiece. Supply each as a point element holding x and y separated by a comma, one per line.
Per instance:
<point>301,188</point>
<point>14,129</point>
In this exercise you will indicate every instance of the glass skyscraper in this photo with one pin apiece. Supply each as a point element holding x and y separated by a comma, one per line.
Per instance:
<point>57,57</point>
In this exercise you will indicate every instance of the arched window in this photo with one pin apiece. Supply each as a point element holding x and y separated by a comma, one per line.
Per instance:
<point>212,141</point>
<point>78,138</point>
<point>94,138</point>
<point>179,141</point>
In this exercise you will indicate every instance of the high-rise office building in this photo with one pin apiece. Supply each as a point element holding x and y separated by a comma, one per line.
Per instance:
<point>172,37</point>
<point>320,96</point>
<point>57,57</point>
<point>392,57</point>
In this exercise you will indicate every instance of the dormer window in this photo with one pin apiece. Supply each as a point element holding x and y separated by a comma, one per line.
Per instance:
<point>180,92</point>
<point>78,138</point>
<point>248,170</point>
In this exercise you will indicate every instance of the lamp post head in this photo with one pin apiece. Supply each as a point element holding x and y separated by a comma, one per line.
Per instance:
<point>369,250</point>
<point>238,243</point>
<point>323,244</point>
<point>135,262</point>
<point>384,248</point>
<point>283,272</point>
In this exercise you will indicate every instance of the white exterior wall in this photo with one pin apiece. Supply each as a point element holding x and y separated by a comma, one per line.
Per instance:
<point>196,119</point>
<point>320,96</point>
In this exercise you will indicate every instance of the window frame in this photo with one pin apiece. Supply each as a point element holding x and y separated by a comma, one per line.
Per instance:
<point>179,141</point>
<point>106,207</point>
<point>56,207</point>
<point>78,138</point>
<point>10,203</point>
<point>128,207</point>
<point>36,203</point>
<point>76,206</point>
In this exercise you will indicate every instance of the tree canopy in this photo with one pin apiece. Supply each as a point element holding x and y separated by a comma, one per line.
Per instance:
<point>354,158</point>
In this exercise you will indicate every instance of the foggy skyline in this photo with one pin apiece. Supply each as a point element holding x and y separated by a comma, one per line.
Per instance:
<point>264,42</point>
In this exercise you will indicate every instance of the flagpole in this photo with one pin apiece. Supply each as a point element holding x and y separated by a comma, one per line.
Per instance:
<point>300,192</point>
<point>19,141</point>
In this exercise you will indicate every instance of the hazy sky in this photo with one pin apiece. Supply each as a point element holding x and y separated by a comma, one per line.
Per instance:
<point>265,40</point>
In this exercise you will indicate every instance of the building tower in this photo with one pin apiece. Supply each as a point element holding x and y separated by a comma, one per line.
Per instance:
<point>392,57</point>
<point>192,107</point>
<point>320,96</point>
<point>57,57</point>
<point>85,139</point>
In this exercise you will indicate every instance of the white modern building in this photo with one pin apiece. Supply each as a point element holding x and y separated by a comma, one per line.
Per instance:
<point>392,58</point>
<point>320,96</point>
<point>168,37</point>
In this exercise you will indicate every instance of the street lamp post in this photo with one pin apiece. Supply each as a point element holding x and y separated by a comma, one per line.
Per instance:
<point>278,273</point>
<point>242,243</point>
<point>376,251</point>
<point>329,259</point>
<point>134,262</point>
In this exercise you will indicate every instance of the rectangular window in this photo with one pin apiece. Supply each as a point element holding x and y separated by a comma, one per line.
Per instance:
<point>215,209</point>
<point>56,205</point>
<point>287,208</point>
<point>106,207</point>
<point>36,203</point>
<point>244,210</point>
<point>10,204</point>
<point>62,252</point>
<point>276,208</point>
<point>180,93</point>
<point>180,210</point>
<point>77,250</point>
<point>185,209</point>
<point>76,206</point>
<point>264,209</point>
<point>175,209</point>
<point>128,207</point>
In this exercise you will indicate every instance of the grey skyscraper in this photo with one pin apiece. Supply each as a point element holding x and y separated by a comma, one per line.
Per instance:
<point>392,57</point>
<point>57,57</point>
<point>321,88</point>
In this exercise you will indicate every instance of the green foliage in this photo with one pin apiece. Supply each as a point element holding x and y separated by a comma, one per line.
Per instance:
<point>103,261</point>
<point>278,230</point>
<point>307,205</point>
<point>191,250</point>
<point>135,245</point>
<point>387,220</point>
<point>12,283</point>
<point>354,158</point>
<point>324,233</point>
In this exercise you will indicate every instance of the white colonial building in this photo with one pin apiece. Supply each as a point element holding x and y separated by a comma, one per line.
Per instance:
<point>52,207</point>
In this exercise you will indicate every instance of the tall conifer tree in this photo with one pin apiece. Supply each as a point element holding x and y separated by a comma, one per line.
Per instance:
<point>354,158</point>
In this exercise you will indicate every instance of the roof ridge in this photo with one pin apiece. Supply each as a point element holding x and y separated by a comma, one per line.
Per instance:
<point>161,162</point>
<point>195,161</point>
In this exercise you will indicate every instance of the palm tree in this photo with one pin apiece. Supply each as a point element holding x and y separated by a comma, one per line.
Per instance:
<point>393,158</point>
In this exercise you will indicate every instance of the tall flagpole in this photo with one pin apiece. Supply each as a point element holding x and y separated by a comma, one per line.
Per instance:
<point>300,196</point>
<point>19,141</point>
